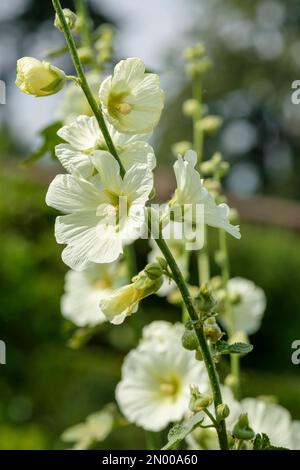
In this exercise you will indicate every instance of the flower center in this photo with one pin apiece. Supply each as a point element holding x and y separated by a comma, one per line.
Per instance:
<point>169,387</point>
<point>117,104</point>
<point>124,108</point>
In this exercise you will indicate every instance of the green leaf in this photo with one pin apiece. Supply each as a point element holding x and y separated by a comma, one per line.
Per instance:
<point>49,140</point>
<point>262,442</point>
<point>179,432</point>
<point>222,347</point>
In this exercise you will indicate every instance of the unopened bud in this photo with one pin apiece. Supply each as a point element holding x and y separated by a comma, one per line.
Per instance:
<point>230,381</point>
<point>242,429</point>
<point>189,339</point>
<point>199,355</point>
<point>198,68</point>
<point>70,18</point>
<point>153,271</point>
<point>209,124</point>
<point>39,78</point>
<point>180,148</point>
<point>212,330</point>
<point>84,54</point>
<point>199,401</point>
<point>191,107</point>
<point>205,300</point>
<point>162,262</point>
<point>222,412</point>
<point>194,52</point>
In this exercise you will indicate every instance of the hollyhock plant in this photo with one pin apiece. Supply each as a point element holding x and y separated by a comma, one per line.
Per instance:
<point>171,376</point>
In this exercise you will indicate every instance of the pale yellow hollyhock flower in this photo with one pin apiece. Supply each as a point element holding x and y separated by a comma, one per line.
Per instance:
<point>39,78</point>
<point>124,301</point>
<point>132,100</point>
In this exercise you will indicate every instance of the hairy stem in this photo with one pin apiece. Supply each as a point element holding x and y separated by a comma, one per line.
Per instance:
<point>207,357</point>
<point>84,84</point>
<point>225,272</point>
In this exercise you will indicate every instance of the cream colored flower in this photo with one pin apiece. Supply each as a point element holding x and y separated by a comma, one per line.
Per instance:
<point>271,419</point>
<point>85,289</point>
<point>249,304</point>
<point>190,194</point>
<point>103,215</point>
<point>155,386</point>
<point>84,138</point>
<point>132,99</point>
<point>124,301</point>
<point>39,78</point>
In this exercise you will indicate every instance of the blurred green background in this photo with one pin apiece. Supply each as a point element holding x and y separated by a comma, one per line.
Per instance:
<point>46,386</point>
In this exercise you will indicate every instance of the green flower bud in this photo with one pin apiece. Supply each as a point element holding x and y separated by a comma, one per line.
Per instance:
<point>39,78</point>
<point>230,381</point>
<point>222,412</point>
<point>199,401</point>
<point>242,429</point>
<point>84,54</point>
<point>163,263</point>
<point>219,258</point>
<point>224,169</point>
<point>207,168</point>
<point>179,148</point>
<point>195,52</point>
<point>70,17</point>
<point>189,339</point>
<point>205,300</point>
<point>153,271</point>
<point>198,355</point>
<point>209,124</point>
<point>198,68</point>
<point>212,330</point>
<point>191,107</point>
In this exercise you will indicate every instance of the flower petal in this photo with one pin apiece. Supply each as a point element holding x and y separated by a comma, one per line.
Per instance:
<point>69,157</point>
<point>82,134</point>
<point>70,194</point>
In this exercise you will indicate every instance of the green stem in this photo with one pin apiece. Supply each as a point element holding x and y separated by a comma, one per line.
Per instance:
<point>86,24</point>
<point>86,29</point>
<point>197,133</point>
<point>203,260</point>
<point>131,263</point>
<point>208,360</point>
<point>202,255</point>
<point>84,84</point>
<point>225,272</point>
